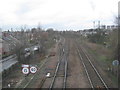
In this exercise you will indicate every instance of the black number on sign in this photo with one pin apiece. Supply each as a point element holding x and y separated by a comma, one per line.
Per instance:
<point>33,69</point>
<point>25,70</point>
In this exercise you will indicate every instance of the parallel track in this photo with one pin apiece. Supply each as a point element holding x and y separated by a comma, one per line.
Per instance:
<point>62,61</point>
<point>94,77</point>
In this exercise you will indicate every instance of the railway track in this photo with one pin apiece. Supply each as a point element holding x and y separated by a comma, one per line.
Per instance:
<point>45,78</point>
<point>94,77</point>
<point>60,75</point>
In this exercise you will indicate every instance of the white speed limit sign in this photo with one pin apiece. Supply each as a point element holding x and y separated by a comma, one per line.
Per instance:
<point>25,70</point>
<point>33,69</point>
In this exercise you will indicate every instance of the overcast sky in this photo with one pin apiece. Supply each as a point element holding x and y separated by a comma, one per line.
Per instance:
<point>57,14</point>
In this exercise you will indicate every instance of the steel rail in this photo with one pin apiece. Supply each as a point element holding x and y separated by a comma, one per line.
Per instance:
<point>66,65</point>
<point>53,80</point>
<point>35,74</point>
<point>95,70</point>
<point>56,70</point>
<point>90,81</point>
<point>99,76</point>
<point>65,76</point>
<point>64,57</point>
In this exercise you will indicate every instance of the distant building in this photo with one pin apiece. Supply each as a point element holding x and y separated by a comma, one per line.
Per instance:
<point>87,32</point>
<point>103,27</point>
<point>111,27</point>
<point>0,46</point>
<point>108,27</point>
<point>8,42</point>
<point>5,48</point>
